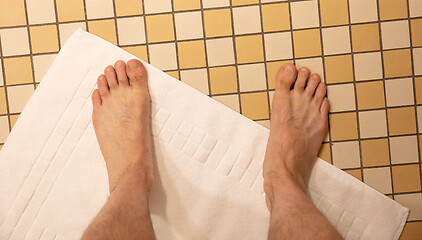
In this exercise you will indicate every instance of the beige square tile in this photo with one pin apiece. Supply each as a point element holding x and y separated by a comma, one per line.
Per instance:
<point>370,95</point>
<point>363,11</point>
<point>304,14</point>
<point>67,29</point>
<point>196,78</point>
<point>3,103</point>
<point>41,65</point>
<point>246,20</point>
<point>272,68</point>
<point>1,74</point>
<point>404,149</point>
<point>343,126</point>
<point>325,152</point>
<point>243,2</point>
<point>397,63</point>
<point>131,30</point>
<point>17,70</point>
<point>223,80</point>
<point>392,9</point>
<point>105,29</point>
<point>160,28</point>
<point>271,97</point>
<point>215,3</point>
<point>174,74</point>
<point>412,230</point>
<point>416,28</point>
<point>334,12</point>
<point>231,101</point>
<point>163,56</point>
<point>139,51</point>
<point>275,17</point>
<point>368,66</point>
<point>399,92</point>
<point>401,121</point>
<point>18,97</point>
<point>157,6</point>
<point>415,7</point>
<point>338,69</point>
<point>4,128</point>
<point>183,5</point>
<point>346,154</point>
<point>418,90</point>
<point>188,25</point>
<point>220,51</point>
<point>372,124</point>
<point>265,123</point>
<point>249,49</point>
<point>13,119</point>
<point>378,178</point>
<point>255,105</point>
<point>41,11</point>
<point>218,23</point>
<point>417,61</point>
<point>406,178</point>
<point>355,173</point>
<point>14,41</point>
<point>395,34</point>
<point>278,46</point>
<point>252,77</point>
<point>342,97</point>
<point>419,115</point>
<point>99,9</point>
<point>365,37</point>
<point>307,43</point>
<point>413,201</point>
<point>44,39</point>
<point>336,40</point>
<point>70,10</point>
<point>128,7</point>
<point>375,152</point>
<point>12,13</point>
<point>313,64</point>
<point>191,54</point>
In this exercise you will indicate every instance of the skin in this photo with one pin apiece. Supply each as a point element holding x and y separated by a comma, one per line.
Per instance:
<point>121,119</point>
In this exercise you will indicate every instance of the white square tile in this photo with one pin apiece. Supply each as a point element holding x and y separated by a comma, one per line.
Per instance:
<point>372,124</point>
<point>196,78</point>
<point>346,154</point>
<point>131,30</point>
<point>363,11</point>
<point>399,92</point>
<point>188,25</point>
<point>304,14</point>
<point>18,96</point>
<point>1,74</point>
<point>252,77</point>
<point>246,20</point>
<point>99,9</point>
<point>417,60</point>
<point>378,178</point>
<point>419,112</point>
<point>231,101</point>
<point>336,40</point>
<point>395,34</point>
<point>4,128</point>
<point>67,29</point>
<point>157,6</point>
<point>278,46</point>
<point>14,41</point>
<point>220,51</point>
<point>404,149</point>
<point>265,123</point>
<point>368,66</point>
<point>314,65</point>
<point>215,3</point>
<point>163,56</point>
<point>415,7</point>
<point>413,201</point>
<point>41,11</point>
<point>342,97</point>
<point>271,96</point>
<point>41,65</point>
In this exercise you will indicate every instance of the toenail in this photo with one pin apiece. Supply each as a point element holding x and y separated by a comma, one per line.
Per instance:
<point>288,69</point>
<point>133,66</point>
<point>120,63</point>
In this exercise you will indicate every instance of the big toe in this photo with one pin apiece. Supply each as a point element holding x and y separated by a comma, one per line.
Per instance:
<point>286,76</point>
<point>136,73</point>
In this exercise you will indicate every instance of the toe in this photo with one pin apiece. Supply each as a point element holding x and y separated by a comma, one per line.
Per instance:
<point>302,78</point>
<point>102,84</point>
<point>313,83</point>
<point>325,107</point>
<point>136,73</point>
<point>120,67</point>
<point>96,98</point>
<point>110,74</point>
<point>320,93</point>
<point>286,76</point>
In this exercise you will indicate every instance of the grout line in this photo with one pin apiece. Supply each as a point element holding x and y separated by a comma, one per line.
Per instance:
<point>115,24</point>
<point>205,47</point>
<point>5,87</point>
<point>86,16</point>
<point>145,31</point>
<point>235,55</point>
<point>57,25</point>
<point>30,50</point>
<point>176,43</point>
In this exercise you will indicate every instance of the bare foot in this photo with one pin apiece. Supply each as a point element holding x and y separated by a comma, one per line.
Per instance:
<point>299,124</point>
<point>121,119</point>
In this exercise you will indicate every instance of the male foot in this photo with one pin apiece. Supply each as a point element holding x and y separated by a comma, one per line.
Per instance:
<point>299,123</point>
<point>121,119</point>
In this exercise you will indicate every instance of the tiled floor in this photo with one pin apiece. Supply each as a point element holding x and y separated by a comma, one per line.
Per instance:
<point>369,52</point>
